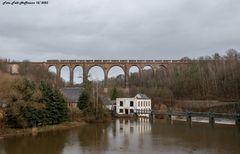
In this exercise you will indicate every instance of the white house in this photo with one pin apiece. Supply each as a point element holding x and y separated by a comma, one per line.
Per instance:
<point>140,102</point>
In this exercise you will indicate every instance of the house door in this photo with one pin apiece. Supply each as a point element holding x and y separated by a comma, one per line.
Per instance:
<point>126,111</point>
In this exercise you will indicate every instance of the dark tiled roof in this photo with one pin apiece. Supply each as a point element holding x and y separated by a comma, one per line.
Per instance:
<point>107,101</point>
<point>71,94</point>
<point>110,102</point>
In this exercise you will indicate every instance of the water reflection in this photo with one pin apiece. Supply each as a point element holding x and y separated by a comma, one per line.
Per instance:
<point>40,144</point>
<point>130,126</point>
<point>93,138</point>
<point>129,136</point>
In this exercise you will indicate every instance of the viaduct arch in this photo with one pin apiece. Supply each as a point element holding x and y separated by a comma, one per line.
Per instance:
<point>106,65</point>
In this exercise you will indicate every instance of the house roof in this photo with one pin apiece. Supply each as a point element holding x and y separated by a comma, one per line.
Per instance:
<point>71,94</point>
<point>141,96</point>
<point>138,96</point>
<point>107,101</point>
<point>110,102</point>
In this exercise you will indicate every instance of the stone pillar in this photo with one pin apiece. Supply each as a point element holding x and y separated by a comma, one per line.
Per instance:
<point>151,116</point>
<point>126,76</point>
<point>211,121</point>
<point>58,74</point>
<point>140,76</point>
<point>169,119</point>
<point>237,121</point>
<point>71,75</point>
<point>85,75</point>
<point>105,80</point>
<point>189,119</point>
<point>154,72</point>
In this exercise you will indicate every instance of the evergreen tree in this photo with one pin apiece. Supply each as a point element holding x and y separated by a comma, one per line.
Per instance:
<point>114,94</point>
<point>61,106</point>
<point>23,90</point>
<point>56,106</point>
<point>83,100</point>
<point>24,111</point>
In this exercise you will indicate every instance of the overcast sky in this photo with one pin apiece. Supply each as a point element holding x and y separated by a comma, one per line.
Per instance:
<point>119,29</point>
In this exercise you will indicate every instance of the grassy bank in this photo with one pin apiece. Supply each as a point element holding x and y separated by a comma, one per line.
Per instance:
<point>8,132</point>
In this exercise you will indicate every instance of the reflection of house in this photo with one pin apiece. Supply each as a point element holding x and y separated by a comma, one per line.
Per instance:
<point>127,106</point>
<point>131,134</point>
<point>127,126</point>
<point>71,95</point>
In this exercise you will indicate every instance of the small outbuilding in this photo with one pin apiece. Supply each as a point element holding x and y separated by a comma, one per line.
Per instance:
<point>71,95</point>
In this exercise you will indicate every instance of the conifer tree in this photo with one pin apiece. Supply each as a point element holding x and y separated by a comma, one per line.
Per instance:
<point>24,110</point>
<point>114,94</point>
<point>83,99</point>
<point>56,107</point>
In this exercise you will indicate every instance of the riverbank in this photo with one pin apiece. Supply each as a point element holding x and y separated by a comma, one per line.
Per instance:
<point>9,132</point>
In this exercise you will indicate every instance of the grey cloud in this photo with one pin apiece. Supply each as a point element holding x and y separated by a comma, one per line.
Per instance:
<point>127,29</point>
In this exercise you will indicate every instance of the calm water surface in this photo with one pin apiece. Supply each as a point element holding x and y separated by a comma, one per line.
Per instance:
<point>126,136</point>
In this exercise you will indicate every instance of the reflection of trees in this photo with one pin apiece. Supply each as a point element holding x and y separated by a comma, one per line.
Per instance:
<point>93,136</point>
<point>44,143</point>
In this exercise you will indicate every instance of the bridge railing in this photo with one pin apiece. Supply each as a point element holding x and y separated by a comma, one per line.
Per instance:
<point>191,114</point>
<point>120,61</point>
<point>202,114</point>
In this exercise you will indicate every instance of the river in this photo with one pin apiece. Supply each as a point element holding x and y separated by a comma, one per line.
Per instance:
<point>129,136</point>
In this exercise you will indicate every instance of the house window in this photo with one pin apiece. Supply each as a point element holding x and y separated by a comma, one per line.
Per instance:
<point>131,103</point>
<point>120,110</point>
<point>138,103</point>
<point>121,103</point>
<point>131,110</point>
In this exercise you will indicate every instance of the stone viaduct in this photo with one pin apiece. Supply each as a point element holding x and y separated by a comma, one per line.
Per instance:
<point>106,65</point>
